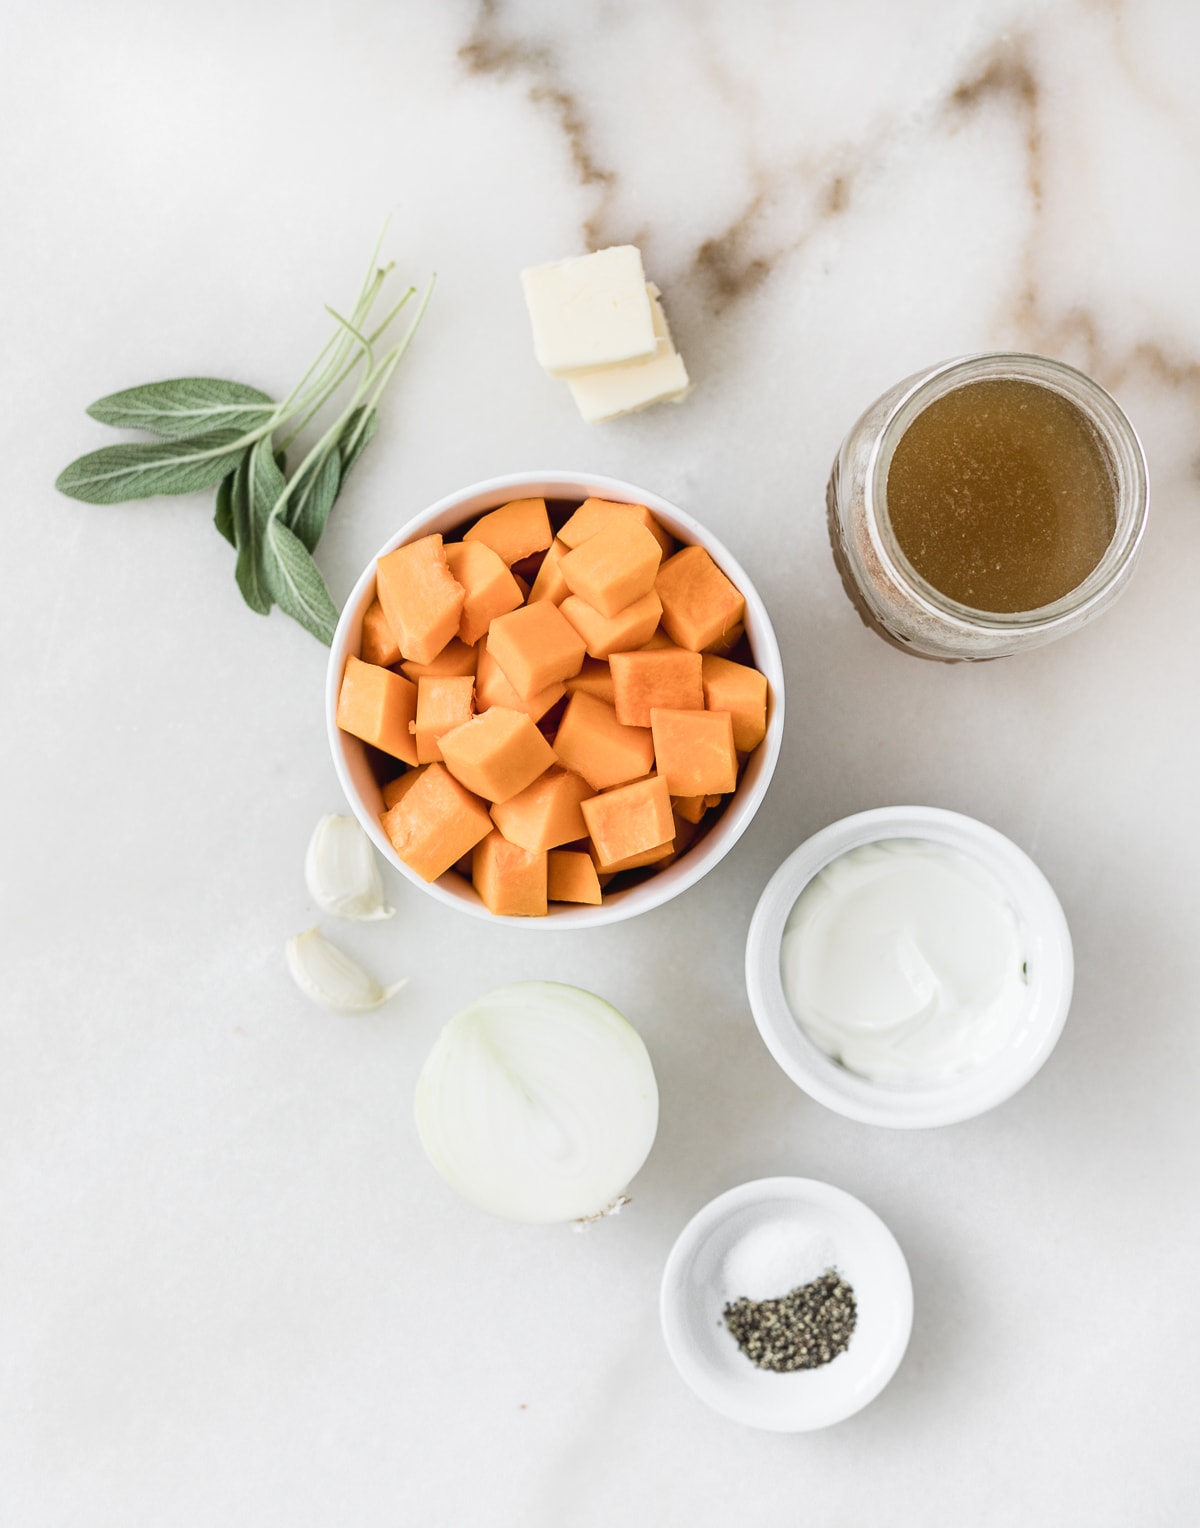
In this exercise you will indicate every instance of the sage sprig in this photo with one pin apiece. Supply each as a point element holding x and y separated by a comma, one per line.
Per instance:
<point>221,434</point>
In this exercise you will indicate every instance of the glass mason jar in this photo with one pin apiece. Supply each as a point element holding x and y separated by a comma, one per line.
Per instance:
<point>891,595</point>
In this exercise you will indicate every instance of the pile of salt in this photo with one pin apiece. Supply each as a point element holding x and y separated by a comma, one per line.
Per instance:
<point>774,1258</point>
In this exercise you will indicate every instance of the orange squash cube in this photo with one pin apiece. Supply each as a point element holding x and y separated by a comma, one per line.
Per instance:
<point>546,813</point>
<point>571,877</point>
<point>491,590</point>
<point>740,690</point>
<point>510,880</point>
<point>653,856</point>
<point>493,689</point>
<point>658,639</point>
<point>594,678</point>
<point>592,514</point>
<point>591,741</point>
<point>377,644</point>
<point>396,789</point>
<point>378,706</point>
<point>617,634</point>
<point>694,751</point>
<point>420,596</point>
<point>535,646</point>
<point>548,583</point>
<point>690,809</point>
<point>629,820</point>
<point>454,661</point>
<point>686,833</point>
<point>700,605</point>
<point>514,531</point>
<point>729,641</point>
<point>442,704</point>
<point>435,823</point>
<point>615,566</point>
<point>497,753</point>
<point>668,677</point>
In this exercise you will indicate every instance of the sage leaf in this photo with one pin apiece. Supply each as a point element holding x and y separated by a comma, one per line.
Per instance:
<point>117,473</point>
<point>223,514</point>
<point>296,584</point>
<point>187,406</point>
<point>256,491</point>
<point>248,570</point>
<point>310,503</point>
<point>351,449</point>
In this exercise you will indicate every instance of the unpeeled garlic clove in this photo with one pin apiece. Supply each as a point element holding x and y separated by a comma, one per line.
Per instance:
<point>341,871</point>
<point>331,979</point>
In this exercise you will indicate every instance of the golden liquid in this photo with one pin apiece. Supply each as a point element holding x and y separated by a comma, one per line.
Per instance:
<point>1002,496</point>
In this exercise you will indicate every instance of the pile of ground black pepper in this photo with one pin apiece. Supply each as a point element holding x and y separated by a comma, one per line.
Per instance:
<point>808,1327</point>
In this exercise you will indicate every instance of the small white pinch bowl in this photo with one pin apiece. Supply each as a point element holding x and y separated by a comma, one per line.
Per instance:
<point>1048,952</point>
<point>696,1289</point>
<point>458,509</point>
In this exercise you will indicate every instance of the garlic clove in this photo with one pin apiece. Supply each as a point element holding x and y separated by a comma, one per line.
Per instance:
<point>328,976</point>
<point>341,871</point>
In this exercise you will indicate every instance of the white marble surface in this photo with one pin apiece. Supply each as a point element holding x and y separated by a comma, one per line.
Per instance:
<point>231,1290</point>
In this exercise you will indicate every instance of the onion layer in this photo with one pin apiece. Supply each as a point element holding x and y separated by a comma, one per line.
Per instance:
<point>538,1102</point>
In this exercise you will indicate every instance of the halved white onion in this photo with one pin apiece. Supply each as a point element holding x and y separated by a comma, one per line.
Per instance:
<point>538,1102</point>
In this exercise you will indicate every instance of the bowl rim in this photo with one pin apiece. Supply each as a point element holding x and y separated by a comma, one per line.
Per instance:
<point>453,509</point>
<point>685,1353</point>
<point>1051,962</point>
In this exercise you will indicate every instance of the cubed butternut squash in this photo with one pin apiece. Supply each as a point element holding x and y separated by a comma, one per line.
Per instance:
<point>686,833</point>
<point>395,789</point>
<point>546,813</point>
<point>668,677</point>
<point>490,589</point>
<point>571,877</point>
<point>592,514</point>
<point>510,880</point>
<point>548,582</point>
<point>421,598</point>
<point>493,689</point>
<point>435,823</point>
<point>740,690</point>
<point>629,819</point>
<point>694,752</point>
<point>377,644</point>
<point>690,808</point>
<point>653,856</point>
<point>515,530</point>
<point>594,678</point>
<point>442,704</point>
<point>615,567</point>
<point>591,741</point>
<point>497,753</point>
<point>455,660</point>
<point>700,605</point>
<point>536,646</point>
<point>378,706</point>
<point>604,635</point>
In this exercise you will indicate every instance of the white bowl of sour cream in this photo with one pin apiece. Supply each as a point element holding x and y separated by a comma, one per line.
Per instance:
<point>909,966</point>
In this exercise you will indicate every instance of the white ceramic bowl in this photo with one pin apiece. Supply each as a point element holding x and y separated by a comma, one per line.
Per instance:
<point>458,509</point>
<point>697,1286</point>
<point>1049,958</point>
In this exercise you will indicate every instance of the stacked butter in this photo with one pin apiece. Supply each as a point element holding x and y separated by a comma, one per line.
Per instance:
<point>599,325</point>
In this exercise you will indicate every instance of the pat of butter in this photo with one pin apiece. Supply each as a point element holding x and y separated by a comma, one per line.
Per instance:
<point>616,390</point>
<point>591,311</point>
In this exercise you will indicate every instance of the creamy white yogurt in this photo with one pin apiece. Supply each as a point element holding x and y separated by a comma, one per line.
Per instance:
<point>904,960</point>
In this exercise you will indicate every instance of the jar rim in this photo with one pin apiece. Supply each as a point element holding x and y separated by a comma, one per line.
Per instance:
<point>1122,446</point>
